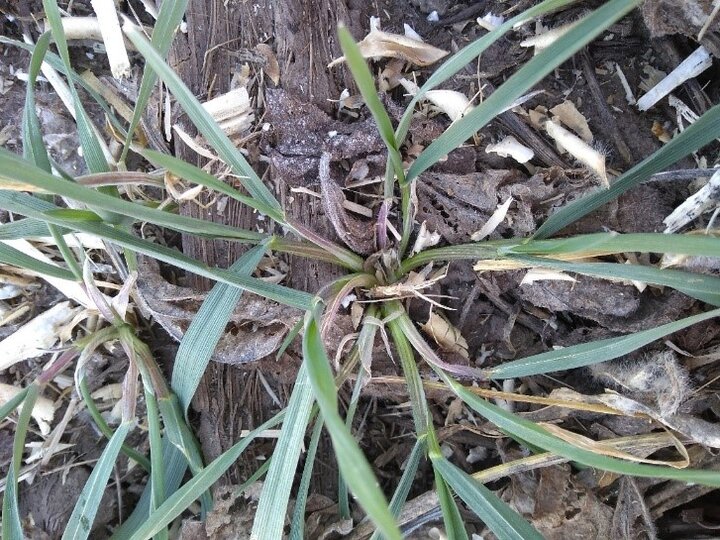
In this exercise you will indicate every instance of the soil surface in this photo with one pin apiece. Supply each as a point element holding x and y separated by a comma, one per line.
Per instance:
<point>296,122</point>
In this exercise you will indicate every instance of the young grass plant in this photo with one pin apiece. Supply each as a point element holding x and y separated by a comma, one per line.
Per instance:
<point>173,449</point>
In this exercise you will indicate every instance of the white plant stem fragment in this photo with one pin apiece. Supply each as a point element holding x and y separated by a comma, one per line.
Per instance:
<point>454,104</point>
<point>112,37</point>
<point>78,28</point>
<point>43,410</point>
<point>35,337</point>
<point>545,274</point>
<point>579,149</point>
<point>511,147</point>
<point>496,219</point>
<point>544,40</point>
<point>692,66</point>
<point>707,198</point>
<point>629,96</point>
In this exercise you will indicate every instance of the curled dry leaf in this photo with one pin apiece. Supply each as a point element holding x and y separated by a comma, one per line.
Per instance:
<point>271,68</point>
<point>446,335</point>
<point>355,233</point>
<point>511,147</point>
<point>43,410</point>
<point>568,114</point>
<point>379,44</point>
<point>35,337</point>
<point>605,449</point>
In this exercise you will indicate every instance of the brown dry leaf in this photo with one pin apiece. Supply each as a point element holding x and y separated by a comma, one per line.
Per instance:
<point>271,68</point>
<point>660,132</point>
<point>568,114</point>
<point>454,411</point>
<point>632,518</point>
<point>446,335</point>
<point>379,44</point>
<point>357,234</point>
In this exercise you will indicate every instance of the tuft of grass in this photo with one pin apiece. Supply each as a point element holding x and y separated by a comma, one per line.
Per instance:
<point>104,213</point>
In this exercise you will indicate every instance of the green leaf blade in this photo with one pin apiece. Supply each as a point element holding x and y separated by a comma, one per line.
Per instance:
<point>356,471</point>
<point>586,354</point>
<point>83,515</point>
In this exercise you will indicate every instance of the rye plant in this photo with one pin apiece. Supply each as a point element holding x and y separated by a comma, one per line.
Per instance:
<point>33,186</point>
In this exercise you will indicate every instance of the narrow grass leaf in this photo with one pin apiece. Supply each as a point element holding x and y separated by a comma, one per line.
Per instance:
<point>157,472</point>
<point>205,123</point>
<point>24,228</point>
<point>16,169</point>
<point>182,437</point>
<point>207,327</point>
<point>178,431</point>
<point>586,354</point>
<point>496,514</point>
<point>28,206</point>
<point>175,469</point>
<point>352,462</point>
<point>92,149</point>
<point>13,403</point>
<point>416,391</point>
<point>11,524</point>
<point>83,514</point>
<point>701,286</point>
<point>103,426</point>
<point>189,492</point>
<point>271,512</point>
<point>530,74</point>
<point>194,174</point>
<point>297,524</point>
<point>454,526</point>
<point>15,257</point>
<point>406,481</point>
<point>366,84</point>
<point>169,18</point>
<point>33,146</point>
<point>478,250</point>
<point>537,436</point>
<point>594,245</point>
<point>694,137</point>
